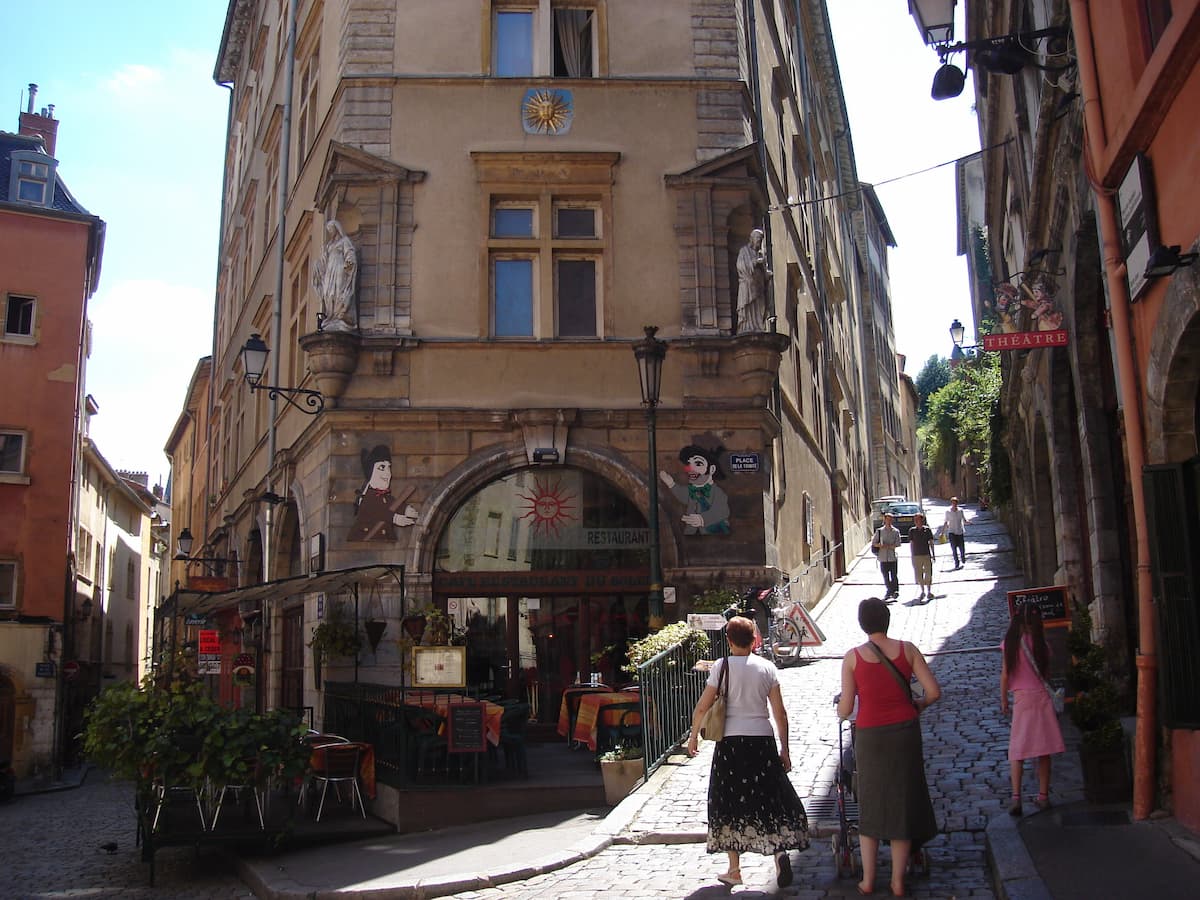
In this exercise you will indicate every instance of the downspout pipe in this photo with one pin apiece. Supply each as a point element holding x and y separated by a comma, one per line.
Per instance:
<point>1145,737</point>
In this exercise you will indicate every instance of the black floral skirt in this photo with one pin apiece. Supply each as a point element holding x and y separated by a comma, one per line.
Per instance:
<point>752,806</point>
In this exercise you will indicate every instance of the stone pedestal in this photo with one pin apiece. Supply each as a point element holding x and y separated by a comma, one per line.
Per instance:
<point>332,358</point>
<point>756,358</point>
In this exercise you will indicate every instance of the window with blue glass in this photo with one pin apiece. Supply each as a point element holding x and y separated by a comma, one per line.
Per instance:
<point>512,288</point>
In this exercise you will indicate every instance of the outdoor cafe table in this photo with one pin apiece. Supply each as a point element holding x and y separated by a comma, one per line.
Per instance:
<point>440,703</point>
<point>594,711</point>
<point>366,760</point>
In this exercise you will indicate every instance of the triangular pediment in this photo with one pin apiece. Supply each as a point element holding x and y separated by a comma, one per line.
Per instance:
<point>346,165</point>
<point>735,166</point>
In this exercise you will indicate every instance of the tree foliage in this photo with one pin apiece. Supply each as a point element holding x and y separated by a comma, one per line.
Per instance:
<point>934,376</point>
<point>958,423</point>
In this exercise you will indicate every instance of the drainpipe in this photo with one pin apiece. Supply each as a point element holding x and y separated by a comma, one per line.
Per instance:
<point>1145,738</point>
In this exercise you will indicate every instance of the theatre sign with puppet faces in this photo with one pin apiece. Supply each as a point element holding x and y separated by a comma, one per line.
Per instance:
<point>1024,316</point>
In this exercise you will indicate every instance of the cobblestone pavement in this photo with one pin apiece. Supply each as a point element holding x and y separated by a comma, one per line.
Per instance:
<point>662,854</point>
<point>53,849</point>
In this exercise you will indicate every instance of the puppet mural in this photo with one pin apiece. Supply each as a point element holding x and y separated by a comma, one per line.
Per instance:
<point>377,512</point>
<point>706,505</point>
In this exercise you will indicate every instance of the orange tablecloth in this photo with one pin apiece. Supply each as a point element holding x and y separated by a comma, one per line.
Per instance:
<point>440,703</point>
<point>594,709</point>
<point>366,761</point>
<point>564,711</point>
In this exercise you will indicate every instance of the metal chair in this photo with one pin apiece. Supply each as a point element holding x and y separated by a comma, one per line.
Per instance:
<point>610,733</point>
<point>425,735</point>
<point>512,737</point>
<point>341,767</point>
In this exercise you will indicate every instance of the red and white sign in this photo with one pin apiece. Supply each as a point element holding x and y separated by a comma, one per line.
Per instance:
<point>209,641</point>
<point>70,670</point>
<point>1025,340</point>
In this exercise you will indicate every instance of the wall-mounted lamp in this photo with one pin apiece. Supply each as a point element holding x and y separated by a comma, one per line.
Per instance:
<point>254,361</point>
<point>84,612</point>
<point>935,19</point>
<point>184,543</point>
<point>1166,260</point>
<point>545,455</point>
<point>1005,54</point>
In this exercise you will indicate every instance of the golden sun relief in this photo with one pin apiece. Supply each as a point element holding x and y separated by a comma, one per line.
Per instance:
<point>547,111</point>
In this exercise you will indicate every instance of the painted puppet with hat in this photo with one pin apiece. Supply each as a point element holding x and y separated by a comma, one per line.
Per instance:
<point>377,511</point>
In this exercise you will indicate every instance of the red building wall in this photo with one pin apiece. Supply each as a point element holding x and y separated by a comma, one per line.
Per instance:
<point>46,258</point>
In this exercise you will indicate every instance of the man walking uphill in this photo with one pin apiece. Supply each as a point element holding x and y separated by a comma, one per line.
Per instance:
<point>884,543</point>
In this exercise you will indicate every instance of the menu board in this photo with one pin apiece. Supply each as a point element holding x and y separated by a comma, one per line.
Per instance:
<point>439,666</point>
<point>465,732</point>
<point>1053,602</point>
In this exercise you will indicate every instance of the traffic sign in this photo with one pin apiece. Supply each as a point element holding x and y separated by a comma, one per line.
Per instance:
<point>71,669</point>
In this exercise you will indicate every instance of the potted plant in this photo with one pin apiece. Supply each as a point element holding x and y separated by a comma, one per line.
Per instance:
<point>334,636</point>
<point>1095,710</point>
<point>621,768</point>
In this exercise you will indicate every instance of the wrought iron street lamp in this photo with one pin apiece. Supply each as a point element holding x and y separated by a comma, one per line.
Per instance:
<point>184,544</point>
<point>254,361</point>
<point>650,353</point>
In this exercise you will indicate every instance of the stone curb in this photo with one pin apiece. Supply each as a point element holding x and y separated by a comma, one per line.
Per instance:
<point>1014,875</point>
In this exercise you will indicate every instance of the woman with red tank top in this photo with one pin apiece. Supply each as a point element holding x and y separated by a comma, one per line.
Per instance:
<point>893,795</point>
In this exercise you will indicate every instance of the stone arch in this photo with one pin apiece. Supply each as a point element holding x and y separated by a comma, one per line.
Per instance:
<point>254,557</point>
<point>1173,372</point>
<point>287,559</point>
<point>482,468</point>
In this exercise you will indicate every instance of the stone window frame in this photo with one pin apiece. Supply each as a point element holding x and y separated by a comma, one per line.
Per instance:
<point>20,336</point>
<point>543,35</point>
<point>547,182</point>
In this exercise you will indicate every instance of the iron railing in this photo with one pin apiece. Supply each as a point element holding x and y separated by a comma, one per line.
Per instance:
<point>670,689</point>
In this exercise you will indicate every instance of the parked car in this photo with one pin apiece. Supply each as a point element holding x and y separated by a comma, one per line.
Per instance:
<point>879,506</point>
<point>903,515</point>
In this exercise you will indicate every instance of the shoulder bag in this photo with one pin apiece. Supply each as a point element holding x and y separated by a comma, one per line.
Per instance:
<point>1057,695</point>
<point>896,673</point>
<point>713,726</point>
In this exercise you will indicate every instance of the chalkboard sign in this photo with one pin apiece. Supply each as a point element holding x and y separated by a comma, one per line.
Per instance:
<point>465,732</point>
<point>1053,602</point>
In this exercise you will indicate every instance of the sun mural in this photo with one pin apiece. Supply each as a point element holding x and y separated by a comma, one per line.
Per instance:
<point>547,111</point>
<point>549,506</point>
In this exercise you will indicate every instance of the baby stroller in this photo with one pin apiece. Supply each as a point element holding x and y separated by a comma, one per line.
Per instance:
<point>844,834</point>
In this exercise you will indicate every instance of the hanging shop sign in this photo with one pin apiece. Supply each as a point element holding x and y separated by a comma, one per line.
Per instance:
<point>243,670</point>
<point>1025,340</point>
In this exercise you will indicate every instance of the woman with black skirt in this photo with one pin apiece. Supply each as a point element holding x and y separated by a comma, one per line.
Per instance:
<point>752,806</point>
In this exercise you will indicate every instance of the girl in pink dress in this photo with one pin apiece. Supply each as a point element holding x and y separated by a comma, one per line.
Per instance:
<point>1035,732</point>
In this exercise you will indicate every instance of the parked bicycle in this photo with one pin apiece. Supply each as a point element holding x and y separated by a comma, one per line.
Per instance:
<point>786,628</point>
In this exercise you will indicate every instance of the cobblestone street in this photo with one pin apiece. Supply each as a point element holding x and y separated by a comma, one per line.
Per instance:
<point>53,842</point>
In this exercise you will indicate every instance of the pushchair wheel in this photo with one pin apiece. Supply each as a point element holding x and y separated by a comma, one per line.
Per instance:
<point>918,863</point>
<point>843,857</point>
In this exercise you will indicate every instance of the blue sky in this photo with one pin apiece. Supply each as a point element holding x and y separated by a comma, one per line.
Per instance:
<point>141,144</point>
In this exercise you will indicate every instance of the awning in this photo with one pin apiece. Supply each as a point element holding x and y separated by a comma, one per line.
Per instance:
<point>201,602</point>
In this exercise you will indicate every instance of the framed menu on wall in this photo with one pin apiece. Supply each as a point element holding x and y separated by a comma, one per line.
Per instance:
<point>436,667</point>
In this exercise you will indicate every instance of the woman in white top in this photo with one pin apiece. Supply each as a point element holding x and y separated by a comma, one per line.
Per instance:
<point>752,806</point>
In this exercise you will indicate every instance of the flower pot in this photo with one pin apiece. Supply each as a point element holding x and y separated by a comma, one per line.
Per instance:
<point>1105,774</point>
<point>375,630</point>
<point>619,778</point>
<point>414,627</point>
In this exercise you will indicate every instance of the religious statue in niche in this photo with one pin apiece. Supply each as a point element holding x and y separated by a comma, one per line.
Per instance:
<point>335,278</point>
<point>377,512</point>
<point>752,275</point>
<point>706,505</point>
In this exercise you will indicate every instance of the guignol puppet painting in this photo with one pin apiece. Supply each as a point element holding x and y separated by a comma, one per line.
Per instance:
<point>706,505</point>
<point>377,512</point>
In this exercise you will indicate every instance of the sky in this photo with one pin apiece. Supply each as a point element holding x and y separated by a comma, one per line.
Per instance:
<point>141,145</point>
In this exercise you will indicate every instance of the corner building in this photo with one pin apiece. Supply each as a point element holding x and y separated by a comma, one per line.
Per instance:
<point>526,186</point>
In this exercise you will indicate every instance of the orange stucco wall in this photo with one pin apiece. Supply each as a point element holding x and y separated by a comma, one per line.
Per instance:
<point>44,258</point>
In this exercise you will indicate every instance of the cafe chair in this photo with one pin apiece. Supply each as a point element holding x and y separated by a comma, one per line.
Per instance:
<point>426,738</point>
<point>237,790</point>
<point>609,727</point>
<point>341,768</point>
<point>512,738</point>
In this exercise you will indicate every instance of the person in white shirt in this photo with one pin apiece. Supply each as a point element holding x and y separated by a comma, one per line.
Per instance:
<point>956,529</point>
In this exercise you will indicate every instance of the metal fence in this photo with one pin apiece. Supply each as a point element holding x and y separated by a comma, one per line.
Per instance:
<point>670,688</point>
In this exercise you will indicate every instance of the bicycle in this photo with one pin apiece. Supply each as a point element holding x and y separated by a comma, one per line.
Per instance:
<point>785,635</point>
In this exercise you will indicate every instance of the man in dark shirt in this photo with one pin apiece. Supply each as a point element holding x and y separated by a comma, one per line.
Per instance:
<point>920,542</point>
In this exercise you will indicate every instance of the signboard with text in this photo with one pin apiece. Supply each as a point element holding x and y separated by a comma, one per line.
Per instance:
<point>1025,340</point>
<point>743,462</point>
<point>209,641</point>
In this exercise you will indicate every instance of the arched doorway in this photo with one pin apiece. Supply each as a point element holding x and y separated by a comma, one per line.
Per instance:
<point>546,571</point>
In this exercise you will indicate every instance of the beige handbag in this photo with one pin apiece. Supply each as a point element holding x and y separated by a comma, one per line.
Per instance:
<point>713,726</point>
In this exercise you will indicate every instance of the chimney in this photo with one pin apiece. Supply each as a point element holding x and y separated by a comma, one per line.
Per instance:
<point>42,124</point>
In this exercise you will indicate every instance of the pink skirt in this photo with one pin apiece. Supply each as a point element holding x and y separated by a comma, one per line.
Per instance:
<point>1035,730</point>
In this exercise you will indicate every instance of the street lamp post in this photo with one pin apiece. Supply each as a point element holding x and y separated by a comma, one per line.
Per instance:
<point>650,353</point>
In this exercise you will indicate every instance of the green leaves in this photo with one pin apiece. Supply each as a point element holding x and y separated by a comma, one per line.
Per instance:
<point>694,643</point>
<point>957,427</point>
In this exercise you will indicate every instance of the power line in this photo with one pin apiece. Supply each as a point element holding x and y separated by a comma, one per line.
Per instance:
<point>896,178</point>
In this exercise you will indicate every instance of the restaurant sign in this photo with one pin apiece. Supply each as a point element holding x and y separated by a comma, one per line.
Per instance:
<point>566,581</point>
